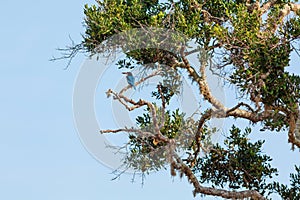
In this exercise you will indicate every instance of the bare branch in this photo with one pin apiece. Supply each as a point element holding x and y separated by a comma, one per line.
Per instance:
<point>125,101</point>
<point>239,105</point>
<point>137,131</point>
<point>69,52</point>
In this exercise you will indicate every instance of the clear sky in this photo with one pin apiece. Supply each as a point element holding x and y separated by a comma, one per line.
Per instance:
<point>41,154</point>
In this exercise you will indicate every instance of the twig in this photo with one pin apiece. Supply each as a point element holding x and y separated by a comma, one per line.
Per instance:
<point>69,52</point>
<point>137,131</point>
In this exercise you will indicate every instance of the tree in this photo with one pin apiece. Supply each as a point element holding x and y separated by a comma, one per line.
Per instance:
<point>251,44</point>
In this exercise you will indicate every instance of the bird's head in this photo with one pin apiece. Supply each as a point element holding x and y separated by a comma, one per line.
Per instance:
<point>127,73</point>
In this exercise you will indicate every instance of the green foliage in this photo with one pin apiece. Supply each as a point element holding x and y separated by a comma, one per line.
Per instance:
<point>148,153</point>
<point>144,156</point>
<point>292,192</point>
<point>259,57</point>
<point>240,164</point>
<point>172,124</point>
<point>292,28</point>
<point>124,63</point>
<point>165,93</point>
<point>110,17</point>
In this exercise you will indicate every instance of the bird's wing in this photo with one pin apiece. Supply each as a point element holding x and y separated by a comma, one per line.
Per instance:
<point>130,80</point>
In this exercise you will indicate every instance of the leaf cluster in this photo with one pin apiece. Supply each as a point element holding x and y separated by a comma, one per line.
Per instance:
<point>239,164</point>
<point>148,153</point>
<point>292,192</point>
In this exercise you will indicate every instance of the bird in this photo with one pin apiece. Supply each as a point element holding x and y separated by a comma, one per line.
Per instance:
<point>130,79</point>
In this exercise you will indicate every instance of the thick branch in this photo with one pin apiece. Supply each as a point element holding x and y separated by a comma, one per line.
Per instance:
<point>221,110</point>
<point>292,128</point>
<point>184,169</point>
<point>265,7</point>
<point>286,9</point>
<point>206,116</point>
<point>216,113</point>
<point>204,88</point>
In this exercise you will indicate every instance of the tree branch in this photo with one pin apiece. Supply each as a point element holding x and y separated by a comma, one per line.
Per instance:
<point>137,131</point>
<point>292,128</point>
<point>198,136</point>
<point>204,88</point>
<point>184,169</point>
<point>163,107</point>
<point>69,52</point>
<point>125,100</point>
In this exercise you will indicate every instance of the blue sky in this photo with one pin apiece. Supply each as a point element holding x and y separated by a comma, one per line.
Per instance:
<point>42,156</point>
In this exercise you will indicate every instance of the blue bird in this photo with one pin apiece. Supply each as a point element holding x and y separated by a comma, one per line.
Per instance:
<point>130,79</point>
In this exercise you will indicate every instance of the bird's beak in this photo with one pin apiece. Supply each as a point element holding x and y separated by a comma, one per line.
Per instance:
<point>124,72</point>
